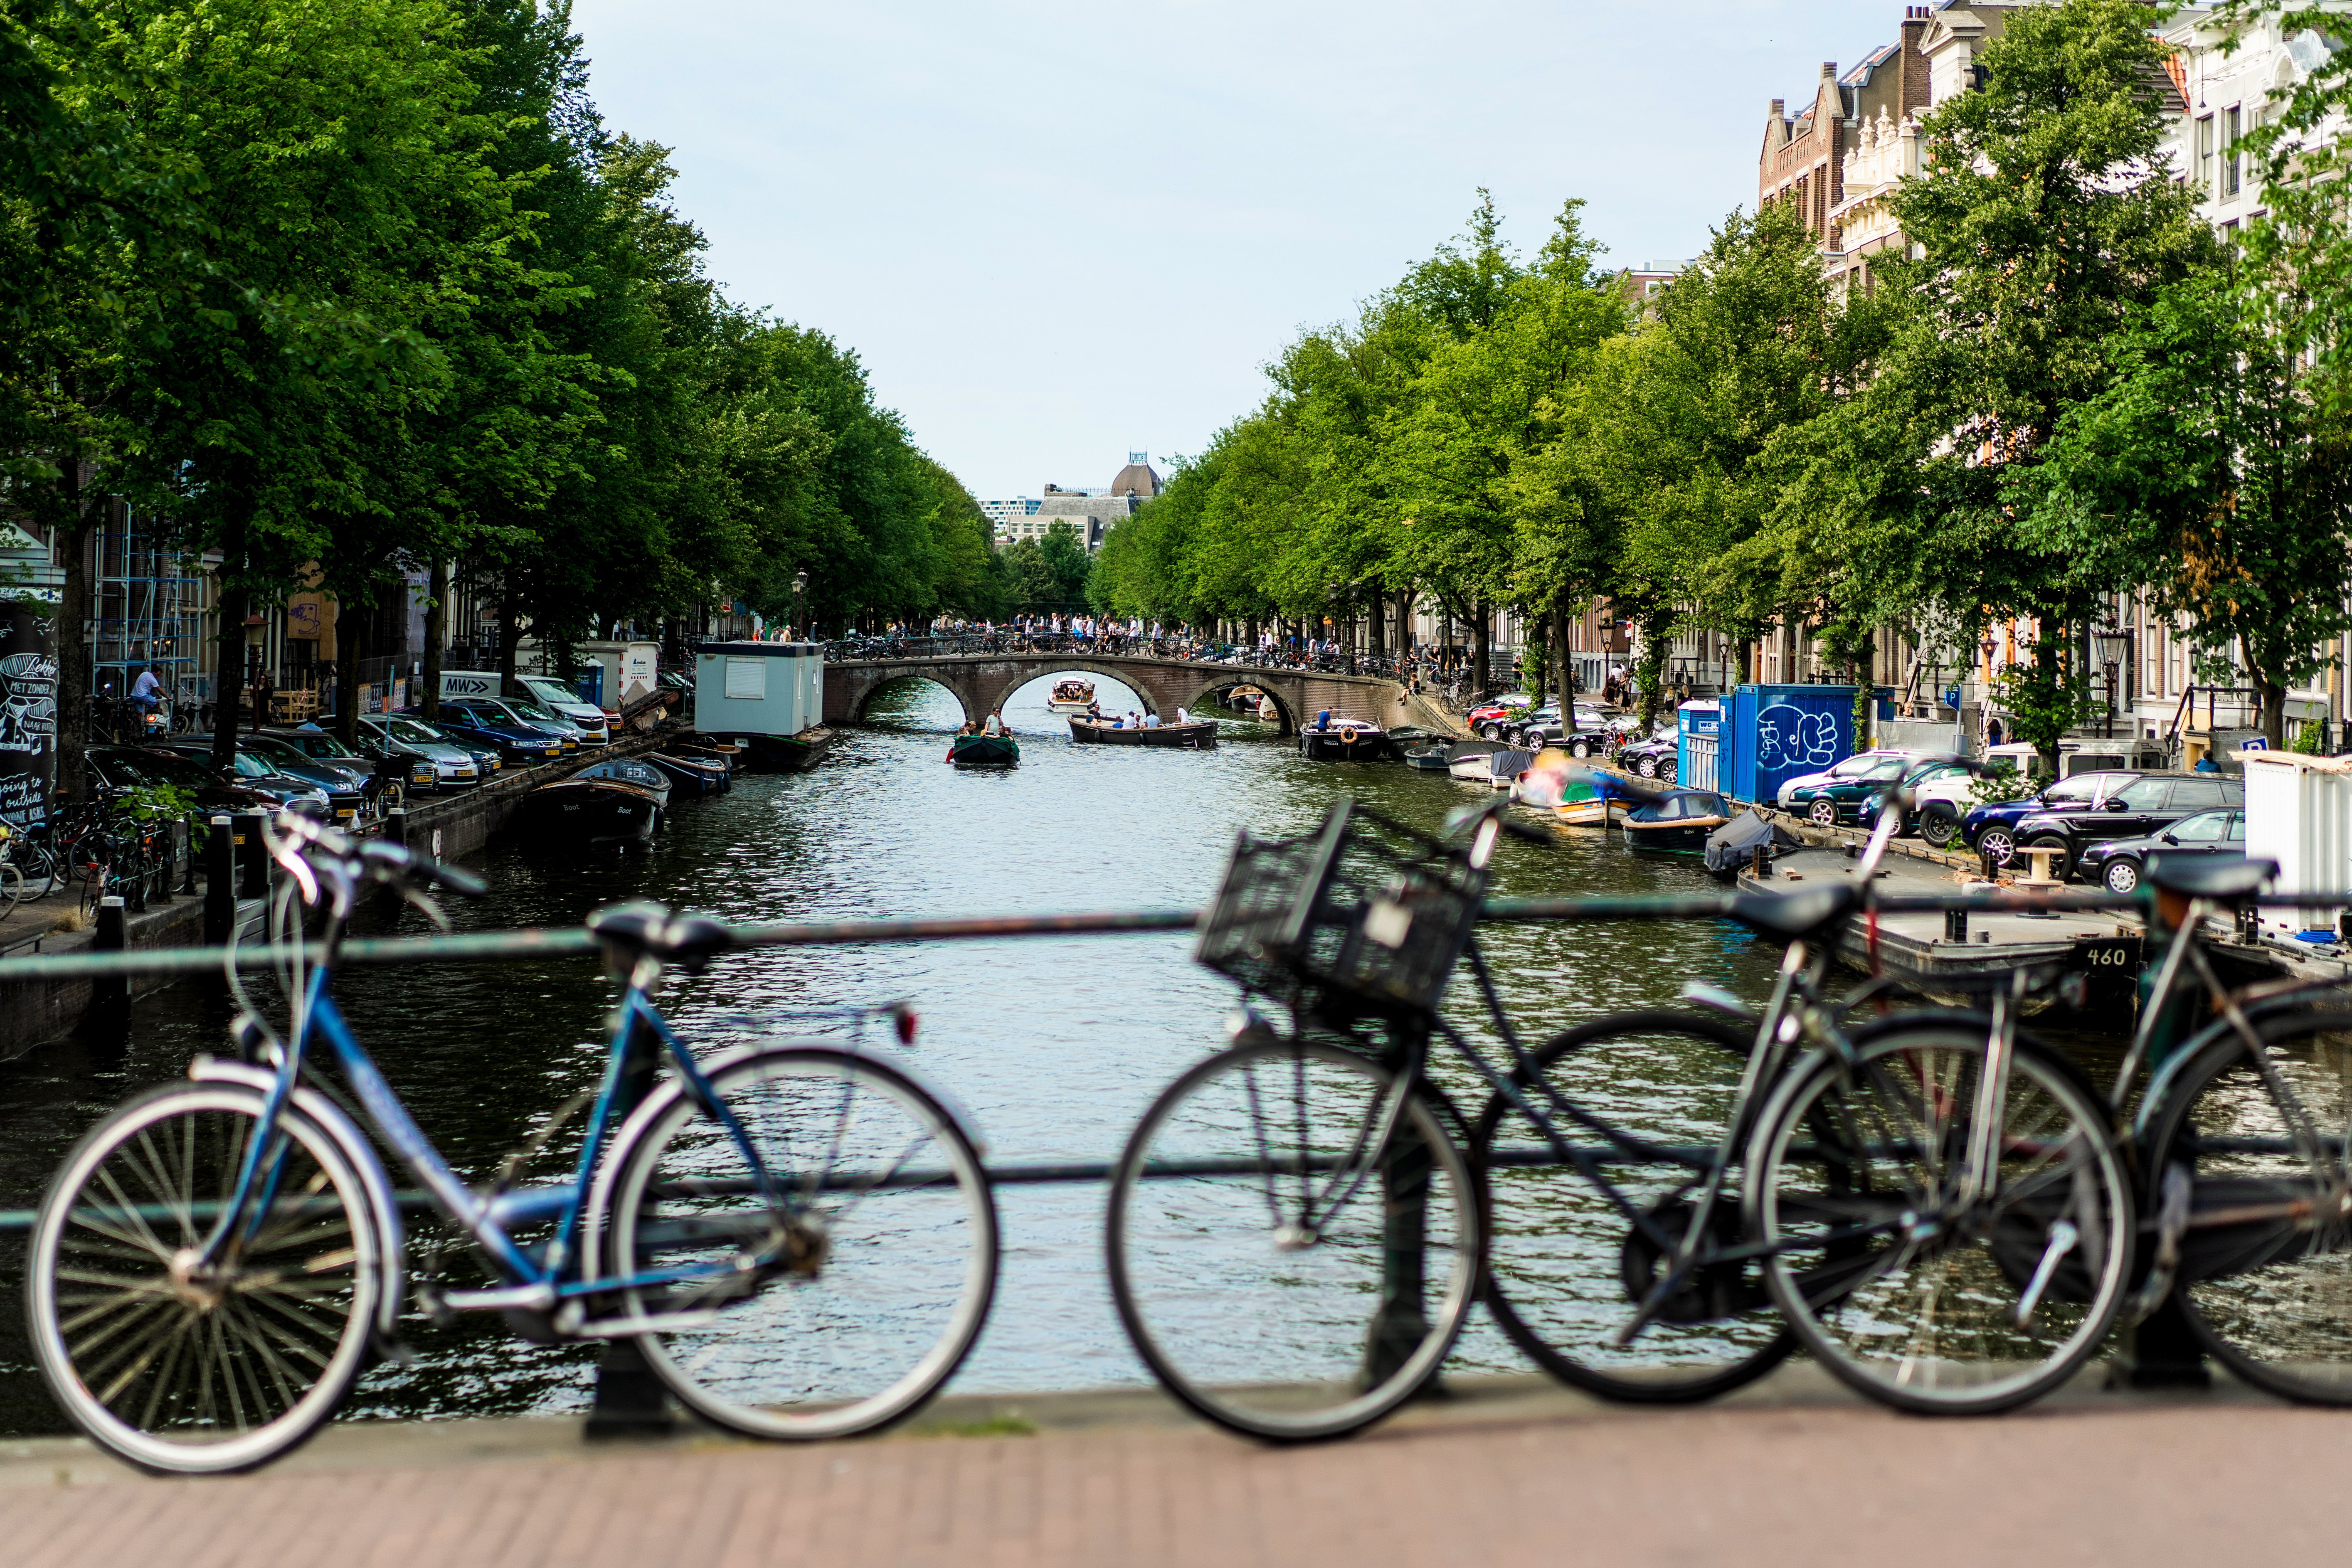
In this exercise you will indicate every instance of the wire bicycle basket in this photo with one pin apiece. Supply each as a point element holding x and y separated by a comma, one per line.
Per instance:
<point>1363,916</point>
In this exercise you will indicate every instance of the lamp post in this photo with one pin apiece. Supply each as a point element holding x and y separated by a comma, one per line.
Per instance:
<point>799,616</point>
<point>2114,646</point>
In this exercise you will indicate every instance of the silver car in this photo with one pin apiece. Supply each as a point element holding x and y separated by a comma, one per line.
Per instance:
<point>453,766</point>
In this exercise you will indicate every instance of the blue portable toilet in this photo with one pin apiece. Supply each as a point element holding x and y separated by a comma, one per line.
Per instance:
<point>1698,726</point>
<point>1775,733</point>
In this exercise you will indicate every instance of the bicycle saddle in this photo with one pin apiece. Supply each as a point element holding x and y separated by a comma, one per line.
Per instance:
<point>1791,915</point>
<point>2208,876</point>
<point>651,929</point>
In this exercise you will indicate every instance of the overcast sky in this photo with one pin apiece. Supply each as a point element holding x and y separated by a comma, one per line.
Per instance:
<point>1055,232</point>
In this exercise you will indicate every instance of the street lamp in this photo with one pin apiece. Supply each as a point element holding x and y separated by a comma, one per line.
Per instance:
<point>2113,644</point>
<point>800,617</point>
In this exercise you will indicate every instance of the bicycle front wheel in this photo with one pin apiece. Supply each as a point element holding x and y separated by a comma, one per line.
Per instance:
<point>1933,1268</point>
<point>1573,1248</point>
<point>830,1239</point>
<point>1283,1271</point>
<point>12,886</point>
<point>2266,1277</point>
<point>181,1366</point>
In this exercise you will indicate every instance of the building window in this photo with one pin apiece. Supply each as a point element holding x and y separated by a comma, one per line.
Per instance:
<point>2205,155</point>
<point>2230,154</point>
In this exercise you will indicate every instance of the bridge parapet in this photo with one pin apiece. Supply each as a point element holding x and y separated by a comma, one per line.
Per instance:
<point>982,681</point>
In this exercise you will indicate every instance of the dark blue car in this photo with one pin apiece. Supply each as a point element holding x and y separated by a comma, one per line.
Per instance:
<point>1991,831</point>
<point>518,745</point>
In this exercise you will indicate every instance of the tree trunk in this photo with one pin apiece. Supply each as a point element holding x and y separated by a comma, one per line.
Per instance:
<point>351,647</point>
<point>2272,695</point>
<point>1537,661</point>
<point>509,633</point>
<point>1559,670</point>
<point>436,613</point>
<point>228,682</point>
<point>70,530</point>
<point>1482,644</point>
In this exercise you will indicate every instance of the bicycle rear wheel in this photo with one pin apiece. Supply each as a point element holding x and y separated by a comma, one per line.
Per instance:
<point>1572,1249</point>
<point>1906,1283</point>
<point>12,886</point>
<point>179,1367</point>
<point>1281,1270</point>
<point>2270,1295</point>
<point>834,1289</point>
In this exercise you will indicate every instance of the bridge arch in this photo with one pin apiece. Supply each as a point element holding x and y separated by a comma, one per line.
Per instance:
<point>896,680</point>
<point>1286,714</point>
<point>1101,669</point>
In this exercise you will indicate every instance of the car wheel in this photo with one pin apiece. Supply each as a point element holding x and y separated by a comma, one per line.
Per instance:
<point>2123,876</point>
<point>1996,844</point>
<point>2061,862</point>
<point>1666,771</point>
<point>1822,813</point>
<point>1939,826</point>
<point>1647,767</point>
<point>1580,750</point>
<point>1491,731</point>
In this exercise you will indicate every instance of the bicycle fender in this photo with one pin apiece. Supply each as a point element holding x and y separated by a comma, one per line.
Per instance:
<point>666,1094</point>
<point>374,1184</point>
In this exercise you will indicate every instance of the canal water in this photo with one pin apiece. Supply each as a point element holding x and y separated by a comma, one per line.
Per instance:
<point>1055,1046</point>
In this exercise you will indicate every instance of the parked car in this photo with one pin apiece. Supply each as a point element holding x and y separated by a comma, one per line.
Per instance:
<point>1991,831</point>
<point>1856,797</point>
<point>566,703</point>
<point>128,767</point>
<point>322,756</point>
<point>1942,797</point>
<point>1854,767</point>
<point>517,745</point>
<point>2118,863</point>
<point>1655,757</point>
<point>515,712</point>
<point>1486,720</point>
<point>256,767</point>
<point>390,764</point>
<point>2148,805</point>
<point>1583,725</point>
<point>444,762</point>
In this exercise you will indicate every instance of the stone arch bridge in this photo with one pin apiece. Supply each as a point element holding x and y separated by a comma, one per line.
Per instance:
<point>982,681</point>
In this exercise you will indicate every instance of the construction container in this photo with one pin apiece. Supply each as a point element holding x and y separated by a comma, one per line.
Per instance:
<point>758,688</point>
<point>1775,732</point>
<point>2299,813</point>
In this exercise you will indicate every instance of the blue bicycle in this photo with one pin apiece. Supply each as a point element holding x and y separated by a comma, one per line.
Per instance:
<point>799,1235</point>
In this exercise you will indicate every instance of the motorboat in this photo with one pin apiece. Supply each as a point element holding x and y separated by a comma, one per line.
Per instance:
<point>1427,759</point>
<point>1200,735</point>
<point>632,771</point>
<point>575,813</point>
<point>984,752</point>
<point>1267,712</point>
<point>693,775</point>
<point>1245,699</point>
<point>1341,736</point>
<point>1071,696</point>
<point>1570,792</point>
<point>1496,768</point>
<point>1679,821</point>
<point>1467,760</point>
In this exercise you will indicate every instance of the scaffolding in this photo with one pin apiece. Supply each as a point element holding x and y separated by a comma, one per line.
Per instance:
<point>145,612</point>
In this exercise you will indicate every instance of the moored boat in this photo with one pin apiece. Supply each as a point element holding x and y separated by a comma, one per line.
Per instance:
<point>578,812</point>
<point>1427,759</point>
<point>1677,821</point>
<point>1245,699</point>
<point>1496,768</point>
<point>1572,793</point>
<point>1201,735</point>
<point>984,752</point>
<point>693,775</point>
<point>1466,760</point>
<point>1071,696</point>
<point>632,771</point>
<point>1341,736</point>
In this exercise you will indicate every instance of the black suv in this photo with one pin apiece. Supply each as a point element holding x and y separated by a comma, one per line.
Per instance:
<point>2149,804</point>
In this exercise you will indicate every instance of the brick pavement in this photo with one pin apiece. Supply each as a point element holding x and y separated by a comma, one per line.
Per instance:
<point>1796,1476</point>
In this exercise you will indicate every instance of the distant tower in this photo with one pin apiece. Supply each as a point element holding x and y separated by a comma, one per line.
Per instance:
<point>1137,479</point>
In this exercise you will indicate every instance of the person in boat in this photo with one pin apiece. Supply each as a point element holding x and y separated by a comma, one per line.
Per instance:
<point>1323,720</point>
<point>962,730</point>
<point>995,725</point>
<point>1093,710</point>
<point>1151,721</point>
<point>1182,717</point>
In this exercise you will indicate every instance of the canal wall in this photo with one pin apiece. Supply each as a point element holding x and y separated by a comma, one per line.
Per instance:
<point>453,827</point>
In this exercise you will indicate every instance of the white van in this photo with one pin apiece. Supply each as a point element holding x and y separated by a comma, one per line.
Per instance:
<point>540,690</point>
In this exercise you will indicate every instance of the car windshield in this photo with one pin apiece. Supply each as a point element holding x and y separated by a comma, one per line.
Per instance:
<point>1855,767</point>
<point>250,766</point>
<point>2080,790</point>
<point>549,691</point>
<point>410,730</point>
<point>325,746</point>
<point>159,767</point>
<point>1891,768</point>
<point>528,707</point>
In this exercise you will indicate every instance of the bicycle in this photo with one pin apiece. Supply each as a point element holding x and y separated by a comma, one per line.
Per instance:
<point>218,1261</point>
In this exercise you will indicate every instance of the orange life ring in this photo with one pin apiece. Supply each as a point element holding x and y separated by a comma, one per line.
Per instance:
<point>1346,736</point>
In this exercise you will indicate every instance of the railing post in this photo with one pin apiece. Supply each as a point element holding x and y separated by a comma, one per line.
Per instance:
<point>254,863</point>
<point>395,825</point>
<point>188,849</point>
<point>1402,1322</point>
<point>220,881</point>
<point>630,1401</point>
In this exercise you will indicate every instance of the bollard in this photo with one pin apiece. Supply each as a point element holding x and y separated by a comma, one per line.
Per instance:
<point>1955,925</point>
<point>110,996</point>
<point>630,1401</point>
<point>1758,865</point>
<point>220,882</point>
<point>395,825</point>
<point>187,838</point>
<point>253,857</point>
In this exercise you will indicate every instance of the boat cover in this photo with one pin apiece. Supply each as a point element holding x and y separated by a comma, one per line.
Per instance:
<point>1729,846</point>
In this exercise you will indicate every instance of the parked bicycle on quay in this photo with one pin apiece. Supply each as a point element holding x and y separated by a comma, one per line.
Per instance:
<point>1935,1203</point>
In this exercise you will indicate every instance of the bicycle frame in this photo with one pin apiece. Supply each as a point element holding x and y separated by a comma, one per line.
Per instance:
<point>532,1281</point>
